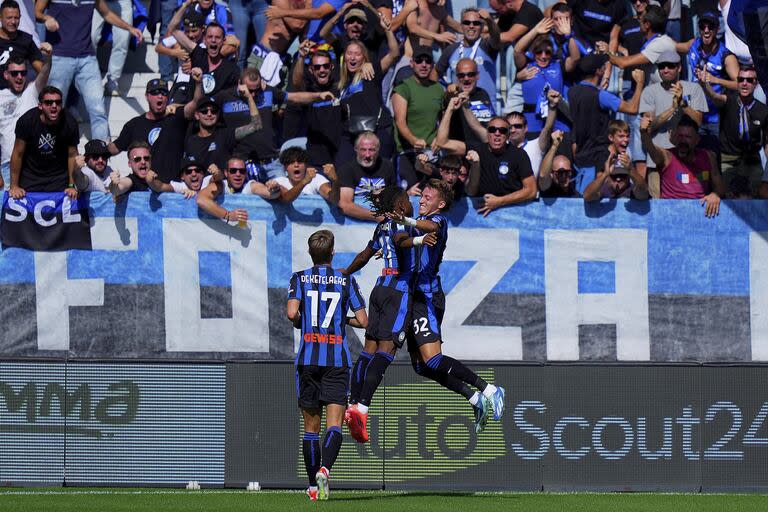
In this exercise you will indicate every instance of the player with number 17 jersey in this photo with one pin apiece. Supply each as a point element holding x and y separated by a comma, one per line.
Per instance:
<point>326,295</point>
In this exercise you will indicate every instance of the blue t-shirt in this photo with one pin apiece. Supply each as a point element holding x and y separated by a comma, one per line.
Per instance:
<point>73,39</point>
<point>313,31</point>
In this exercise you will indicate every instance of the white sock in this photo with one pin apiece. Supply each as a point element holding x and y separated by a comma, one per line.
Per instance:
<point>489,390</point>
<point>312,487</point>
<point>362,408</point>
<point>474,398</point>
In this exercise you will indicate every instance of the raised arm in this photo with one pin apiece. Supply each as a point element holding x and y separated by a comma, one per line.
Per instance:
<point>326,32</point>
<point>632,106</point>
<point>455,147</point>
<point>545,171</point>
<point>393,54</point>
<point>657,154</point>
<point>42,77</point>
<point>254,125</point>
<point>494,33</point>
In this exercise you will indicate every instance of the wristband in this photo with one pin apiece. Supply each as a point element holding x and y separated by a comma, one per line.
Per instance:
<point>71,185</point>
<point>419,240</point>
<point>409,221</point>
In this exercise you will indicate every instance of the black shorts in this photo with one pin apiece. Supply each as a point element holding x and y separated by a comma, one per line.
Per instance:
<point>427,316</point>
<point>317,386</point>
<point>389,315</point>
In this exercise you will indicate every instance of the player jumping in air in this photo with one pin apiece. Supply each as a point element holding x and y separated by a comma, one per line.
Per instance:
<point>428,306</point>
<point>318,300</point>
<point>389,305</point>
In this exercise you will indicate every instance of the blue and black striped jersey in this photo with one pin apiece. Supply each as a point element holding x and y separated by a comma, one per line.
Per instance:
<point>399,263</point>
<point>325,296</point>
<point>430,258</point>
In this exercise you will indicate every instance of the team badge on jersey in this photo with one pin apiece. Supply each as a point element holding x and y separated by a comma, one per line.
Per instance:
<point>209,83</point>
<point>154,133</point>
<point>503,168</point>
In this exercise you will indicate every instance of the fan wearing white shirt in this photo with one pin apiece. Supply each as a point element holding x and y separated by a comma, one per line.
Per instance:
<point>17,99</point>
<point>193,179</point>
<point>303,180</point>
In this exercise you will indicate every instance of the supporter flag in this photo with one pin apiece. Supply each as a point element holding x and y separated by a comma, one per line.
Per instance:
<point>748,19</point>
<point>45,221</point>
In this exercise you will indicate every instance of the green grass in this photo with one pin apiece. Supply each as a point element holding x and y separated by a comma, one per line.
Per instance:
<point>101,500</point>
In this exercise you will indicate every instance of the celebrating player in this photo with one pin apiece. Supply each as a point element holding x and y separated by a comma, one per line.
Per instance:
<point>428,306</point>
<point>318,300</point>
<point>389,305</point>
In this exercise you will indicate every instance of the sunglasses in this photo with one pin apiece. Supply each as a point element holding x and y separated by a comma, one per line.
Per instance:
<point>190,170</point>
<point>667,65</point>
<point>450,170</point>
<point>209,110</point>
<point>498,129</point>
<point>49,103</point>
<point>98,157</point>
<point>562,170</point>
<point>355,20</point>
<point>158,92</point>
<point>423,59</point>
<point>517,126</point>
<point>462,76</point>
<point>543,51</point>
<point>472,23</point>
<point>318,67</point>
<point>237,170</point>
<point>748,79</point>
<point>704,25</point>
<point>18,72</point>
<point>138,159</point>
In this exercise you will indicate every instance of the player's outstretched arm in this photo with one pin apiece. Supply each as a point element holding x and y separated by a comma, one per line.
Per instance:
<point>361,260</point>
<point>424,225</point>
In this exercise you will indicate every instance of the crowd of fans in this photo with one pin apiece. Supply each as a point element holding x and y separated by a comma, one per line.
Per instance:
<point>585,98</point>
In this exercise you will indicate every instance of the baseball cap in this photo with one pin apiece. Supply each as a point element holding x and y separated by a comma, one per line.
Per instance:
<point>96,147</point>
<point>208,100</point>
<point>669,56</point>
<point>356,13</point>
<point>589,64</point>
<point>709,16</point>
<point>157,84</point>
<point>420,51</point>
<point>620,170</point>
<point>189,162</point>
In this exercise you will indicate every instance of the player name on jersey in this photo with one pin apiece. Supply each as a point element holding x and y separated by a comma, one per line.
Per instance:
<point>320,279</point>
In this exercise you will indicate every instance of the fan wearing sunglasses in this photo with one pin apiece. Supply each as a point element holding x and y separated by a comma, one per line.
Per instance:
<point>192,179</point>
<point>43,156</point>
<point>18,98</point>
<point>213,143</point>
<point>711,62</point>
<point>743,130</point>
<point>140,164</point>
<point>499,171</point>
<point>670,99</point>
<point>474,46</point>
<point>236,182</point>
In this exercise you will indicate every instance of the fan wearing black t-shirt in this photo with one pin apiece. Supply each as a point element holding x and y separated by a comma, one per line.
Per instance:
<point>499,171</point>
<point>43,157</point>
<point>219,73</point>
<point>15,42</point>
<point>213,144</point>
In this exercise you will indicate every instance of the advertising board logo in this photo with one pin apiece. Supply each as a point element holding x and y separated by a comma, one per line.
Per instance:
<point>37,407</point>
<point>428,431</point>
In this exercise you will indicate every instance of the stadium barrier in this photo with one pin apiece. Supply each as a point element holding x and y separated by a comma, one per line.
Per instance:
<point>549,281</point>
<point>567,427</point>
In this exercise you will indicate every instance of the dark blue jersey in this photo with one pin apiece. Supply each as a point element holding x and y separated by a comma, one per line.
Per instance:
<point>399,263</point>
<point>325,296</point>
<point>430,258</point>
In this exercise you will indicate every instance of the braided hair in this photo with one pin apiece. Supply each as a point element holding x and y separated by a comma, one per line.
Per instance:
<point>383,200</point>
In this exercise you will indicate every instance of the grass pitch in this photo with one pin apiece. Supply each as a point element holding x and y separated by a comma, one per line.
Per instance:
<point>102,500</point>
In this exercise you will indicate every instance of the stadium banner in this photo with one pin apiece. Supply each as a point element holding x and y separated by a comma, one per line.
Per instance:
<point>555,280</point>
<point>45,221</point>
<point>567,427</point>
<point>111,423</point>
